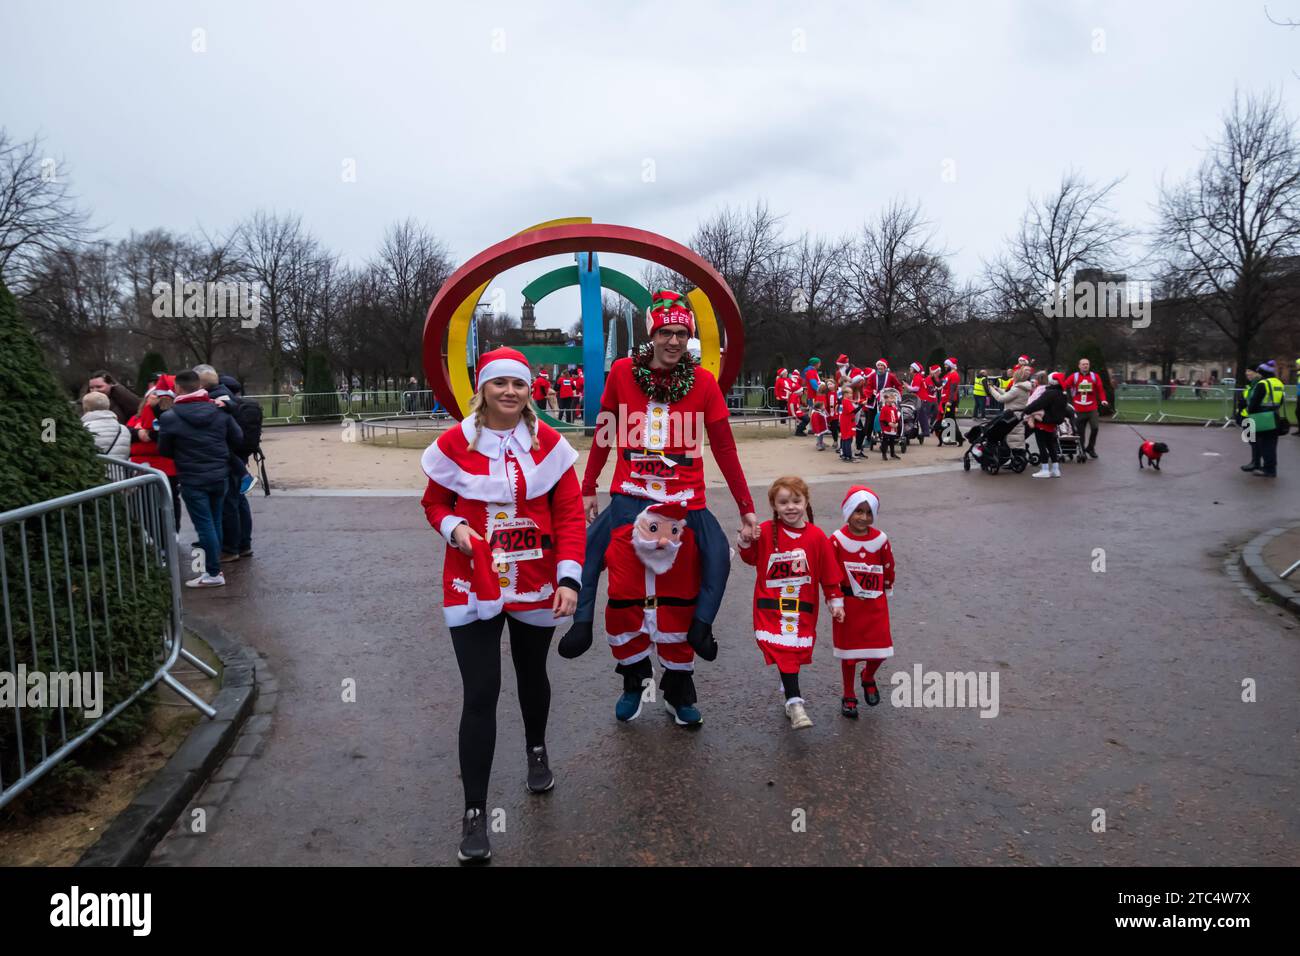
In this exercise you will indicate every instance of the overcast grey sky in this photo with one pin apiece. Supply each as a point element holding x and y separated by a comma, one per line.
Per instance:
<point>482,118</point>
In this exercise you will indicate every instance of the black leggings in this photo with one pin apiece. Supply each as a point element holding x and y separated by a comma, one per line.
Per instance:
<point>1049,448</point>
<point>478,652</point>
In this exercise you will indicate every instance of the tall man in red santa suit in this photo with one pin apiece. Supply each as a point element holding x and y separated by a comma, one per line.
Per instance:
<point>781,389</point>
<point>654,573</point>
<point>1088,396</point>
<point>655,411</point>
<point>949,398</point>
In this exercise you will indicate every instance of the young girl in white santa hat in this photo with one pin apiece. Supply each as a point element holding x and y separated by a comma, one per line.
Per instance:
<point>862,634</point>
<point>793,558</point>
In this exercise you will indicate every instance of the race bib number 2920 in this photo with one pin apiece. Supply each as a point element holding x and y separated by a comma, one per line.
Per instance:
<point>788,568</point>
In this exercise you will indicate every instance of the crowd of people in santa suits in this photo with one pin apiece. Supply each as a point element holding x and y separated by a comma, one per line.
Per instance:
<point>860,407</point>
<point>563,397</point>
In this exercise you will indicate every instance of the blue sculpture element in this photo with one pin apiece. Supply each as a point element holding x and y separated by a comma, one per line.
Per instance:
<point>593,335</point>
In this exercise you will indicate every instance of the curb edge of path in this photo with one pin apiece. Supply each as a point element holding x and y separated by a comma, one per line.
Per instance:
<point>136,831</point>
<point>1263,577</point>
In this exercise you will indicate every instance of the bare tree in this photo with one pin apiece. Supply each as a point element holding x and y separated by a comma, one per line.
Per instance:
<point>1060,233</point>
<point>891,273</point>
<point>411,266</point>
<point>1229,231</point>
<point>38,212</point>
<point>270,249</point>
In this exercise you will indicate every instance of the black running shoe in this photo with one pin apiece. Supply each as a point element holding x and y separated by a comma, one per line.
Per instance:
<point>474,847</point>
<point>871,692</point>
<point>1090,453</point>
<point>540,778</point>
<point>849,707</point>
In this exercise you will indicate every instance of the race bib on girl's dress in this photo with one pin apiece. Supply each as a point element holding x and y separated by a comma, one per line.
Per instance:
<point>788,569</point>
<point>865,579</point>
<point>514,539</point>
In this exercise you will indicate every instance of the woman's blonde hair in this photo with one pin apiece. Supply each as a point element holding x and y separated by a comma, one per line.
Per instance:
<point>1022,374</point>
<point>529,415</point>
<point>794,484</point>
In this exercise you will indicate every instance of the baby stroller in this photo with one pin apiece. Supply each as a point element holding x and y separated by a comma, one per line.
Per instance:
<point>1071,445</point>
<point>988,446</point>
<point>910,426</point>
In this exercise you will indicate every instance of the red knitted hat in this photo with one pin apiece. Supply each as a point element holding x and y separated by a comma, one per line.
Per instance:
<point>668,308</point>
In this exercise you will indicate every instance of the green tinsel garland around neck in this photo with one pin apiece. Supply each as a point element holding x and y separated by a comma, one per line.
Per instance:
<point>679,380</point>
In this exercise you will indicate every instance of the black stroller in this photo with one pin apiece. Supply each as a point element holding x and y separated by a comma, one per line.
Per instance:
<point>988,446</point>
<point>909,425</point>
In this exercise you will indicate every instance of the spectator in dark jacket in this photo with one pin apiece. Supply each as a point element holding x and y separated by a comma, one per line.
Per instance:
<point>1047,412</point>
<point>201,438</point>
<point>236,515</point>
<point>121,400</point>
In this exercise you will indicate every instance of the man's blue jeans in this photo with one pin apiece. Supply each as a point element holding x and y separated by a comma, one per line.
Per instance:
<point>715,555</point>
<point>204,506</point>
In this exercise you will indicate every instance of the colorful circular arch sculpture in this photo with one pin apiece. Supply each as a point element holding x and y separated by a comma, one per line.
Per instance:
<point>453,307</point>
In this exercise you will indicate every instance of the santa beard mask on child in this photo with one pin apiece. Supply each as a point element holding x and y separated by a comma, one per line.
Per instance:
<point>656,541</point>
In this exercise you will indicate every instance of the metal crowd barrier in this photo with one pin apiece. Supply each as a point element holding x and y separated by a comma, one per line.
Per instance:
<point>67,566</point>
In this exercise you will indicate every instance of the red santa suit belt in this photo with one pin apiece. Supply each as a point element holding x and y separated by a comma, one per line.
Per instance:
<point>788,605</point>
<point>653,600</point>
<point>630,453</point>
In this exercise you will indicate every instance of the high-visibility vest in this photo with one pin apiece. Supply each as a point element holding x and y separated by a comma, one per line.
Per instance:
<point>1005,383</point>
<point>1276,394</point>
<point>979,388</point>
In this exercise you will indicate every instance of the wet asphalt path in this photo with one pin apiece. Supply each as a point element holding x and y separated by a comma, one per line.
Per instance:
<point>1118,690</point>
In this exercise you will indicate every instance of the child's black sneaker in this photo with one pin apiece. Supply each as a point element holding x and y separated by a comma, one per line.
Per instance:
<point>849,707</point>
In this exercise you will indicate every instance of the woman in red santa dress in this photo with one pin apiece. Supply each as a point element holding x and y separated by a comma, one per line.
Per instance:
<point>792,558</point>
<point>864,555</point>
<point>503,492</point>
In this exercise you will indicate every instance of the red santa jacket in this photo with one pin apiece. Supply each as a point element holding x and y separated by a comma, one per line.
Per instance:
<point>951,391</point>
<point>642,602</point>
<point>848,412</point>
<point>525,502</point>
<point>146,452</point>
<point>867,563</point>
<point>924,386</point>
<point>566,386</point>
<point>1085,391</point>
<point>660,445</point>
<point>874,385</point>
<point>781,389</point>
<point>541,386</point>
<point>790,565</point>
<point>889,420</point>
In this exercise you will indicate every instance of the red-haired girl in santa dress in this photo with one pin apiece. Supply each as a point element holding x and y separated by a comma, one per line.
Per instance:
<point>792,557</point>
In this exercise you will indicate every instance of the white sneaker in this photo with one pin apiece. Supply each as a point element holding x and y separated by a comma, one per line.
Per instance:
<point>1044,472</point>
<point>206,580</point>
<point>1056,469</point>
<point>799,719</point>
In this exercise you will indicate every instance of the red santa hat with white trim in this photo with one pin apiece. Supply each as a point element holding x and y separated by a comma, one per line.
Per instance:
<point>950,362</point>
<point>842,360</point>
<point>672,510</point>
<point>860,495</point>
<point>917,367</point>
<point>935,368</point>
<point>1023,360</point>
<point>484,580</point>
<point>503,363</point>
<point>668,308</point>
